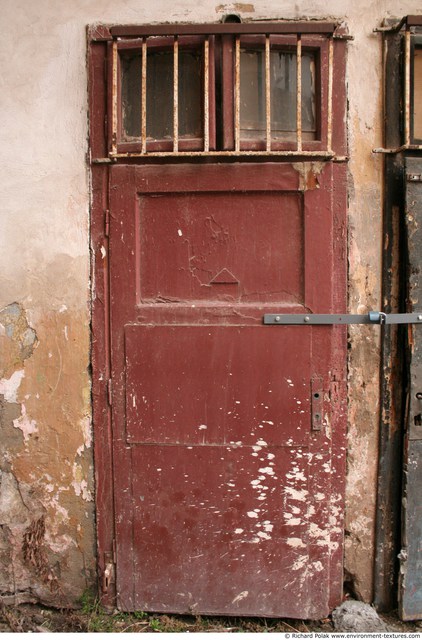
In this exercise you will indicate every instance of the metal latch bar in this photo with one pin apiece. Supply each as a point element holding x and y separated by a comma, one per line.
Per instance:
<point>373,317</point>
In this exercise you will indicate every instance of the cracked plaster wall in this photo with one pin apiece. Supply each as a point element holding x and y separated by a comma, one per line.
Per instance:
<point>47,536</point>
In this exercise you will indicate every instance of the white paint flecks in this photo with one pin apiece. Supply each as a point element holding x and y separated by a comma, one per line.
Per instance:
<point>297,543</point>
<point>299,563</point>
<point>252,514</point>
<point>238,531</point>
<point>103,252</point>
<point>180,232</point>
<point>202,427</point>
<point>241,596</point>
<point>263,535</point>
<point>294,494</point>
<point>267,470</point>
<point>26,425</point>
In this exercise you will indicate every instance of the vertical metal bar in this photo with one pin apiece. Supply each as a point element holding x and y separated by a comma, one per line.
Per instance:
<point>114,101</point>
<point>206,95</point>
<point>407,88</point>
<point>268,91</point>
<point>330,94</point>
<point>144,97</point>
<point>299,92</point>
<point>176,95</point>
<point>237,96</point>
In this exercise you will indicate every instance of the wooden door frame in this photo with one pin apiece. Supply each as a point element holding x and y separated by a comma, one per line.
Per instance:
<point>98,38</point>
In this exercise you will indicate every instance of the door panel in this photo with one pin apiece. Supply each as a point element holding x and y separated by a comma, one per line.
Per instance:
<point>206,237</point>
<point>204,384</point>
<point>228,499</point>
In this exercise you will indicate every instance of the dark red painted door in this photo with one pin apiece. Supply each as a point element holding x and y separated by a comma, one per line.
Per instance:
<point>229,497</point>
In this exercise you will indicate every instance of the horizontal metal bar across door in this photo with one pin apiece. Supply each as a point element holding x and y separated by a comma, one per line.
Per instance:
<point>373,317</point>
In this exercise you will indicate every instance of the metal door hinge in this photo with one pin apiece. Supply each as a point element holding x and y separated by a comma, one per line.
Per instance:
<point>110,391</point>
<point>373,317</point>
<point>107,223</point>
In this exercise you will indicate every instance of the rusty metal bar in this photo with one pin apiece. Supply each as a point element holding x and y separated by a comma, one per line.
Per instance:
<point>299,92</point>
<point>114,100</point>
<point>176,95</point>
<point>206,95</point>
<point>409,21</point>
<point>407,87</point>
<point>268,91</point>
<point>280,154</point>
<point>403,147</point>
<point>261,28</point>
<point>237,96</point>
<point>330,94</point>
<point>144,97</point>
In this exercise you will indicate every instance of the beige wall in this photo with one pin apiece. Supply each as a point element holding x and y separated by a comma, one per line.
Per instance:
<point>46,482</point>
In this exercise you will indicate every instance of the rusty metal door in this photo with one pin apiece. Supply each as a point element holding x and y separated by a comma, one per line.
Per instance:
<point>410,589</point>
<point>228,435</point>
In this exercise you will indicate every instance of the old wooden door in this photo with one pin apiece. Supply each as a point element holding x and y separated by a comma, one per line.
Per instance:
<point>410,589</point>
<point>228,435</point>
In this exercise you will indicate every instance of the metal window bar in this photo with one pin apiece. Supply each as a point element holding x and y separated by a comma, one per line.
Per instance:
<point>407,86</point>
<point>144,98</point>
<point>206,95</point>
<point>330,93</point>
<point>176,95</point>
<point>326,29</point>
<point>114,100</point>
<point>268,92</point>
<point>408,22</point>
<point>237,96</point>
<point>299,92</point>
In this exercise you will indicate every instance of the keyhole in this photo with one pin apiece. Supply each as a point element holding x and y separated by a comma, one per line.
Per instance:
<point>418,420</point>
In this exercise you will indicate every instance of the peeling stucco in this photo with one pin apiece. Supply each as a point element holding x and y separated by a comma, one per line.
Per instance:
<point>46,534</point>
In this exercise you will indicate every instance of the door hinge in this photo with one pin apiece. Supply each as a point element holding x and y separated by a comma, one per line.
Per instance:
<point>110,391</point>
<point>109,573</point>
<point>114,551</point>
<point>107,223</point>
<point>373,317</point>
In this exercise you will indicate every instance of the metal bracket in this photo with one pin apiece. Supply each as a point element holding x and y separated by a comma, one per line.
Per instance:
<point>373,317</point>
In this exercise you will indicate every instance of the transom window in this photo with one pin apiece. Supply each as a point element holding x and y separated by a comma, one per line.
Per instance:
<point>222,89</point>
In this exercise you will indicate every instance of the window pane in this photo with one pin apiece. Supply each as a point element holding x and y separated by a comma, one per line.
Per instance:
<point>160,94</point>
<point>283,75</point>
<point>190,94</point>
<point>131,69</point>
<point>417,94</point>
